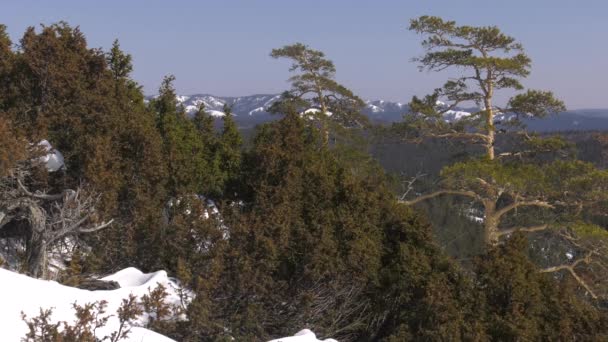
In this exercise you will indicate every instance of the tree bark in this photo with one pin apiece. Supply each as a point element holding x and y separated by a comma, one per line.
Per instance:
<point>491,233</point>
<point>490,127</point>
<point>36,247</point>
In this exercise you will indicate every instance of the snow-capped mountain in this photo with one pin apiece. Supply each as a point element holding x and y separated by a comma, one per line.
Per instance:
<point>259,104</point>
<point>252,110</point>
<point>241,106</point>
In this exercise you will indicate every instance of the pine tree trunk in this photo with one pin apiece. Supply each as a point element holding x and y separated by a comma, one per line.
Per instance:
<point>324,126</point>
<point>325,132</point>
<point>490,224</point>
<point>490,128</point>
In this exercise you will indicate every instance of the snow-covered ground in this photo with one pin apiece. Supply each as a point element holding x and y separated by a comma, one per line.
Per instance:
<point>303,336</point>
<point>20,293</point>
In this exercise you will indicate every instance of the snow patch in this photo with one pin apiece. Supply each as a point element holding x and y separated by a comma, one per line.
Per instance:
<point>191,109</point>
<point>315,111</point>
<point>374,109</point>
<point>53,159</point>
<point>181,98</point>
<point>216,113</point>
<point>455,115</point>
<point>22,293</point>
<point>569,255</point>
<point>302,336</point>
<point>259,109</point>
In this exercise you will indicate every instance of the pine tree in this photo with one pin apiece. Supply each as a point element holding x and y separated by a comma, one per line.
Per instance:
<point>315,91</point>
<point>528,189</point>
<point>490,61</point>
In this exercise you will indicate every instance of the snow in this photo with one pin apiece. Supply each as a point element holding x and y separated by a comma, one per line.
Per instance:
<point>374,108</point>
<point>132,277</point>
<point>474,215</point>
<point>216,113</point>
<point>181,98</point>
<point>315,111</point>
<point>474,218</point>
<point>455,115</point>
<point>272,100</point>
<point>303,336</point>
<point>191,109</point>
<point>22,293</point>
<point>53,159</point>
<point>259,109</point>
<point>569,255</point>
<point>452,115</point>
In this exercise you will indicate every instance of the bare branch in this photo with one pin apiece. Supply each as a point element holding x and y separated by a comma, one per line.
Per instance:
<point>571,268</point>
<point>440,193</point>
<point>523,229</point>
<point>50,219</point>
<point>461,135</point>
<point>38,195</point>
<point>410,185</point>
<point>517,204</point>
<point>96,228</point>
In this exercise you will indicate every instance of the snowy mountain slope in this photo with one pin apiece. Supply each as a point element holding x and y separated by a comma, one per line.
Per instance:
<point>241,106</point>
<point>258,105</point>
<point>252,110</point>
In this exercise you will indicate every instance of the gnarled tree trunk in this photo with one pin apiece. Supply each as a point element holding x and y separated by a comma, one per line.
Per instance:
<point>43,220</point>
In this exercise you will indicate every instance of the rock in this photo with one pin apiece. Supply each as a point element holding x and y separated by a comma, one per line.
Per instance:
<point>97,284</point>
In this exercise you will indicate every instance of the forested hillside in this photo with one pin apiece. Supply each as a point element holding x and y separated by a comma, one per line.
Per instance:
<point>299,226</point>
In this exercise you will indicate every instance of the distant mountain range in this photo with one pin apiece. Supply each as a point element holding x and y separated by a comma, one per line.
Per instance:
<point>252,110</point>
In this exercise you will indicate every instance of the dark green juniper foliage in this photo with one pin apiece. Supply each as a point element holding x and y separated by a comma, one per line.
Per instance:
<point>228,151</point>
<point>183,146</point>
<point>523,304</point>
<point>319,245</point>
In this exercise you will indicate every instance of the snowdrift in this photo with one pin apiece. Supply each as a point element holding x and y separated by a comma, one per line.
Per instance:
<point>21,293</point>
<point>303,336</point>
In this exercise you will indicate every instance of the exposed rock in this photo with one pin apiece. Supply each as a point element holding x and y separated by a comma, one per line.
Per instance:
<point>97,284</point>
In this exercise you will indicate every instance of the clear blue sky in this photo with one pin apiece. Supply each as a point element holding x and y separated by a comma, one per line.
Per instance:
<point>222,47</point>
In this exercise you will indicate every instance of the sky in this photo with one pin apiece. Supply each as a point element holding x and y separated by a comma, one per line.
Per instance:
<point>222,47</point>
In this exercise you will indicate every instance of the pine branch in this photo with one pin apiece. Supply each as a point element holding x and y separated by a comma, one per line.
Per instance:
<point>571,268</point>
<point>523,229</point>
<point>440,193</point>
<point>536,203</point>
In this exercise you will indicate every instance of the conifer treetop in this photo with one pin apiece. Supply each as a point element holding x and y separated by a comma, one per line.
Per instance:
<point>487,60</point>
